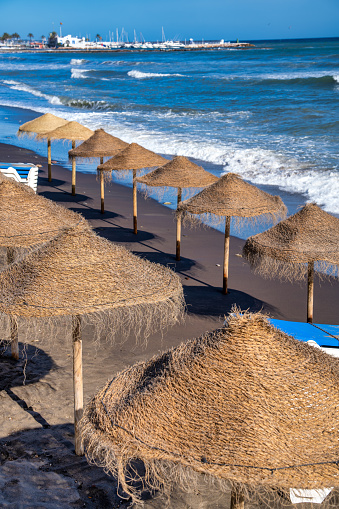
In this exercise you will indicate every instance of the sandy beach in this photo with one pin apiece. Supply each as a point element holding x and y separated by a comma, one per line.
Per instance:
<point>38,467</point>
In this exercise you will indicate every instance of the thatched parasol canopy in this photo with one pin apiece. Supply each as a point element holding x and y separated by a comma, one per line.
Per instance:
<point>79,273</point>
<point>43,124</point>
<point>134,157</point>
<point>246,404</point>
<point>180,173</point>
<point>89,280</point>
<point>297,246</point>
<point>40,126</point>
<point>72,131</point>
<point>100,144</point>
<point>28,220</point>
<point>232,196</point>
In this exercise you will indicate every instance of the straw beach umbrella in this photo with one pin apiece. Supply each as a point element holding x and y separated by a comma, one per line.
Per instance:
<point>28,220</point>
<point>247,405</point>
<point>72,131</point>
<point>100,144</point>
<point>179,173</point>
<point>134,158</point>
<point>232,196</point>
<point>43,124</point>
<point>81,279</point>
<point>296,247</point>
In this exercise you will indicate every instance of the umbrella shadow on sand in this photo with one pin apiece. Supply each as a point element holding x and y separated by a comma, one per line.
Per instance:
<point>89,213</point>
<point>40,457</point>
<point>31,458</point>
<point>120,234</point>
<point>210,301</point>
<point>168,260</point>
<point>63,197</point>
<point>32,366</point>
<point>43,181</point>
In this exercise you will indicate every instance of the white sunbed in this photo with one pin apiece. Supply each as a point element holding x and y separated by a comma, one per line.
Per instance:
<point>26,173</point>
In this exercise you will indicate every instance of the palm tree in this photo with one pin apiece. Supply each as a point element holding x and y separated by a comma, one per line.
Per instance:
<point>30,37</point>
<point>98,36</point>
<point>5,36</point>
<point>15,36</point>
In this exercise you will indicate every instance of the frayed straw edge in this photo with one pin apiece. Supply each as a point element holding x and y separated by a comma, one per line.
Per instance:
<point>271,268</point>
<point>163,476</point>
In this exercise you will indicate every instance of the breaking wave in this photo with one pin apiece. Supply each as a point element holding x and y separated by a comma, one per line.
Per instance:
<point>143,75</point>
<point>79,74</point>
<point>78,61</point>
<point>15,85</point>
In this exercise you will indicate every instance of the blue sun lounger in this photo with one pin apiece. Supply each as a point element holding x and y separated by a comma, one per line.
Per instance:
<point>325,336</point>
<point>26,173</point>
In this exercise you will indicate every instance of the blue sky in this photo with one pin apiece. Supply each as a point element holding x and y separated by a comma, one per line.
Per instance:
<point>199,19</point>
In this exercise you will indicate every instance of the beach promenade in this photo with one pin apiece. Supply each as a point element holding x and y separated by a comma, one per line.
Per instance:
<point>36,449</point>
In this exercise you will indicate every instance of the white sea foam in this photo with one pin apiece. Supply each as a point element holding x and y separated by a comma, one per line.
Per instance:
<point>143,75</point>
<point>259,166</point>
<point>125,62</point>
<point>256,165</point>
<point>78,61</point>
<point>79,74</point>
<point>8,66</point>
<point>15,85</point>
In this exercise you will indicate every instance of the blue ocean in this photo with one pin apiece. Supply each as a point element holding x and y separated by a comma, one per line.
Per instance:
<point>268,113</point>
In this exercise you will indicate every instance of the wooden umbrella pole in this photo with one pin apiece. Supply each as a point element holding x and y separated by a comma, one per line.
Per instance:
<point>73,170</point>
<point>135,227</point>
<point>310,289</point>
<point>49,160</point>
<point>178,227</point>
<point>77,382</point>
<point>14,338</point>
<point>237,500</point>
<point>102,192</point>
<point>226,253</point>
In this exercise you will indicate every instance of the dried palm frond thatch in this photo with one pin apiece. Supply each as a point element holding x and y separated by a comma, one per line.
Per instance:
<point>134,157</point>
<point>72,131</point>
<point>87,279</point>
<point>179,173</point>
<point>40,125</point>
<point>246,405</point>
<point>28,220</point>
<point>43,124</point>
<point>100,144</point>
<point>296,247</point>
<point>231,197</point>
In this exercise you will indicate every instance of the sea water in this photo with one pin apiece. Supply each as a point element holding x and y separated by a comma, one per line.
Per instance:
<point>268,113</point>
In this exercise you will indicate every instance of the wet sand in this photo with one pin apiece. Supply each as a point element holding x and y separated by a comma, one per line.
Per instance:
<point>37,465</point>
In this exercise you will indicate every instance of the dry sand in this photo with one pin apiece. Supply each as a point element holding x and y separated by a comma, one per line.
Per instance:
<point>38,468</point>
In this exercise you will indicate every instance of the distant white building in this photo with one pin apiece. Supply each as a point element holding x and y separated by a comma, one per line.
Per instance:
<point>73,42</point>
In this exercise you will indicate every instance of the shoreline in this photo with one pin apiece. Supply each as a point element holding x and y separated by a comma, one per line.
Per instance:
<point>36,437</point>
<point>17,114</point>
<point>201,261</point>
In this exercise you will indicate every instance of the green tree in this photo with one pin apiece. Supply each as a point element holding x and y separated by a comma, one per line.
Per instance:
<point>5,36</point>
<point>52,40</point>
<point>98,36</point>
<point>15,36</point>
<point>30,36</point>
